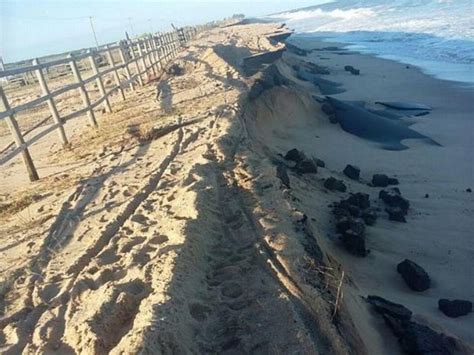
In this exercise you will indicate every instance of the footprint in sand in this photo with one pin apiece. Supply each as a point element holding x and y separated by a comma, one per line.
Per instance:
<point>199,312</point>
<point>127,230</point>
<point>159,239</point>
<point>190,179</point>
<point>108,257</point>
<point>135,241</point>
<point>109,275</point>
<point>140,219</point>
<point>232,290</point>
<point>129,191</point>
<point>143,256</point>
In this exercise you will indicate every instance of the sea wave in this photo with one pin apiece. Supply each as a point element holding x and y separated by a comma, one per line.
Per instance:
<point>437,35</point>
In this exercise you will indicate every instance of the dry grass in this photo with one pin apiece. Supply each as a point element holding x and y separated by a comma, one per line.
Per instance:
<point>18,204</point>
<point>332,277</point>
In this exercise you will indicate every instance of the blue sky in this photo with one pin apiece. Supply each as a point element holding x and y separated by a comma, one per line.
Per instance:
<point>33,28</point>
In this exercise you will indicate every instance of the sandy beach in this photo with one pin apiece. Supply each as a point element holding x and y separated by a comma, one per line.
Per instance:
<point>180,227</point>
<point>438,234</point>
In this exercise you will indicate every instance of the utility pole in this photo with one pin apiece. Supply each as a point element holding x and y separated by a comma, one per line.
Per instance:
<point>93,31</point>
<point>151,26</point>
<point>131,26</point>
<point>2,68</point>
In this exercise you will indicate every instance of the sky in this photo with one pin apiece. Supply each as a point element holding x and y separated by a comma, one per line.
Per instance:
<point>34,28</point>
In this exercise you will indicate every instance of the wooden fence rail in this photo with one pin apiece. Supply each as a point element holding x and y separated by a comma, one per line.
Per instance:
<point>146,55</point>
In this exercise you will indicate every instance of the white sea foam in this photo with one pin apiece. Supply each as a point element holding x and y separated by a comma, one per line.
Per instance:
<point>437,35</point>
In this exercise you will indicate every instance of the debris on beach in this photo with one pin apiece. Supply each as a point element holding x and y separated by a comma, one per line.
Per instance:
<point>352,70</point>
<point>414,275</point>
<point>334,184</point>
<point>304,165</point>
<point>320,163</point>
<point>295,155</point>
<point>382,180</point>
<point>397,206</point>
<point>413,337</point>
<point>352,214</point>
<point>389,308</point>
<point>352,172</point>
<point>455,308</point>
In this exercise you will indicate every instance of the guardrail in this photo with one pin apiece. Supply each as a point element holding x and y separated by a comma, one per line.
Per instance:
<point>147,55</point>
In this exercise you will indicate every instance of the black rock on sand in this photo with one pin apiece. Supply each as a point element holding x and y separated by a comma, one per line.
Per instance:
<point>368,125</point>
<point>352,172</point>
<point>414,275</point>
<point>382,180</point>
<point>351,216</point>
<point>414,338</point>
<point>352,70</point>
<point>303,165</point>
<point>397,205</point>
<point>386,307</point>
<point>334,184</point>
<point>455,308</point>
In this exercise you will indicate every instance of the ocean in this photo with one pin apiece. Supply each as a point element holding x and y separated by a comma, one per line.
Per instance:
<point>435,35</point>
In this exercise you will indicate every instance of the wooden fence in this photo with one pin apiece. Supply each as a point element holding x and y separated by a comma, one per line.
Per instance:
<point>142,57</point>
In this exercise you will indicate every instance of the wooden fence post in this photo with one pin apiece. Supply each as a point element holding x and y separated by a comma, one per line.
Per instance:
<point>159,48</point>
<point>141,54</point>
<point>51,104</point>
<point>149,53</point>
<point>82,91</point>
<point>99,81</point>
<point>154,53</point>
<point>116,74</point>
<point>164,46</point>
<point>170,46</point>
<point>175,43</point>
<point>170,43</point>
<point>125,64</point>
<point>18,138</point>
<point>135,61</point>
<point>182,37</point>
